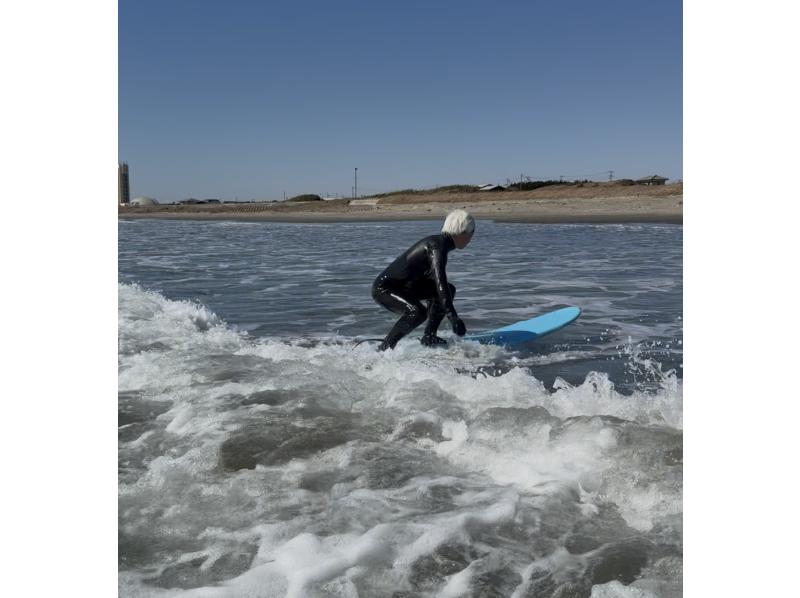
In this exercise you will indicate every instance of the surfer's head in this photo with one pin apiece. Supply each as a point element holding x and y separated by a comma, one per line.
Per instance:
<point>460,225</point>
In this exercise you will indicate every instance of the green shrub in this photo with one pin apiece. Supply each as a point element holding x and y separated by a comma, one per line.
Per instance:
<point>455,189</point>
<point>306,197</point>
<point>531,185</point>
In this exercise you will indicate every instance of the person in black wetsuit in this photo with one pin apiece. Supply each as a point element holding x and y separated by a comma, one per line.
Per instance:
<point>418,276</point>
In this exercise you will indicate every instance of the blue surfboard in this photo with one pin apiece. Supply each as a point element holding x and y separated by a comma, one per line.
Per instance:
<point>527,330</point>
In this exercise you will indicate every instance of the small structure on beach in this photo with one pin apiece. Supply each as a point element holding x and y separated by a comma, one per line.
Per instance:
<point>144,201</point>
<point>364,204</point>
<point>491,188</point>
<point>652,180</point>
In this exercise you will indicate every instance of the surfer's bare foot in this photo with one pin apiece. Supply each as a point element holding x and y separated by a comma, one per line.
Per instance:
<point>433,341</point>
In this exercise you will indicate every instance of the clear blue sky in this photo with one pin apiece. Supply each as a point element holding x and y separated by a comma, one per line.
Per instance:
<point>250,99</point>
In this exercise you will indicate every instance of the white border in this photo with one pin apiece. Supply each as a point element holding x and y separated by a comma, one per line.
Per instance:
<point>59,133</point>
<point>740,136</point>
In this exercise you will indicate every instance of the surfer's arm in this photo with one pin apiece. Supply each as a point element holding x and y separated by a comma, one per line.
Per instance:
<point>438,259</point>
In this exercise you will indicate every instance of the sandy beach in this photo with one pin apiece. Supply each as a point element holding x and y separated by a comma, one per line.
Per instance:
<point>586,203</point>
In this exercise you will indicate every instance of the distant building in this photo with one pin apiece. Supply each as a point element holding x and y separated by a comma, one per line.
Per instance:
<point>652,180</point>
<point>491,188</point>
<point>143,201</point>
<point>124,190</point>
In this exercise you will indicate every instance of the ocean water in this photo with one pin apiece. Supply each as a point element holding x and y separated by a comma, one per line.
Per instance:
<point>262,453</point>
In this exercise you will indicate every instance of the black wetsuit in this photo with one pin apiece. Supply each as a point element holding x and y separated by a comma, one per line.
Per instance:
<point>419,275</point>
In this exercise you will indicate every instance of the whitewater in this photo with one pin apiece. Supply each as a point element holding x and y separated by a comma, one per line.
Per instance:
<point>263,454</point>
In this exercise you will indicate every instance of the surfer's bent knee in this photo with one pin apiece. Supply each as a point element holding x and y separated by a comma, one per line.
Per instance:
<point>417,313</point>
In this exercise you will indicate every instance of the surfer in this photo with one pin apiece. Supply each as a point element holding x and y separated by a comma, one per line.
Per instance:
<point>418,276</point>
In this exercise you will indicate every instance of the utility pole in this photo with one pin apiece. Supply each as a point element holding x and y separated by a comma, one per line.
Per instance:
<point>610,175</point>
<point>355,187</point>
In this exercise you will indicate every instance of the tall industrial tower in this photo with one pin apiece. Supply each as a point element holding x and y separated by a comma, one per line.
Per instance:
<point>124,185</point>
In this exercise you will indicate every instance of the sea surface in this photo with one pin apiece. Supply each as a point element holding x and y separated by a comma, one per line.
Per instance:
<point>263,454</point>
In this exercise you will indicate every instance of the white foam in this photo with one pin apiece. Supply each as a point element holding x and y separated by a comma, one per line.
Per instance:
<point>304,563</point>
<point>615,589</point>
<point>458,584</point>
<point>459,527</point>
<point>161,343</point>
<point>457,434</point>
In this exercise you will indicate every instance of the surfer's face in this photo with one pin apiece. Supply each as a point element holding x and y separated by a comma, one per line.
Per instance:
<point>462,240</point>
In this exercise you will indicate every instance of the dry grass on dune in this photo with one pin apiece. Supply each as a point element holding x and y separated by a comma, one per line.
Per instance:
<point>579,191</point>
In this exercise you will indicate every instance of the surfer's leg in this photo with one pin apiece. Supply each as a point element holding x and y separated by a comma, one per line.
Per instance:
<point>435,316</point>
<point>412,311</point>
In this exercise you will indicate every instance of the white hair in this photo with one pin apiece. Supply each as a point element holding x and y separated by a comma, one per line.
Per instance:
<point>457,222</point>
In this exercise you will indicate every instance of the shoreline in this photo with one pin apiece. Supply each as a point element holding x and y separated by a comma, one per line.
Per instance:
<point>609,205</point>
<point>344,218</point>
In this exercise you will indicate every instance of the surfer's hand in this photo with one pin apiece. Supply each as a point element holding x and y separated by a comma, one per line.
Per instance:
<point>458,326</point>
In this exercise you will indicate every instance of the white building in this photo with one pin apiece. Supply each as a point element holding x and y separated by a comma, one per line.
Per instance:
<point>144,201</point>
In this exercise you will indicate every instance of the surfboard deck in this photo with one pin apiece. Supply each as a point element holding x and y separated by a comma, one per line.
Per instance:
<point>527,330</point>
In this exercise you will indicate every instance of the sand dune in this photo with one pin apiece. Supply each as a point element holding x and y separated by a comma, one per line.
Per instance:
<point>591,202</point>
